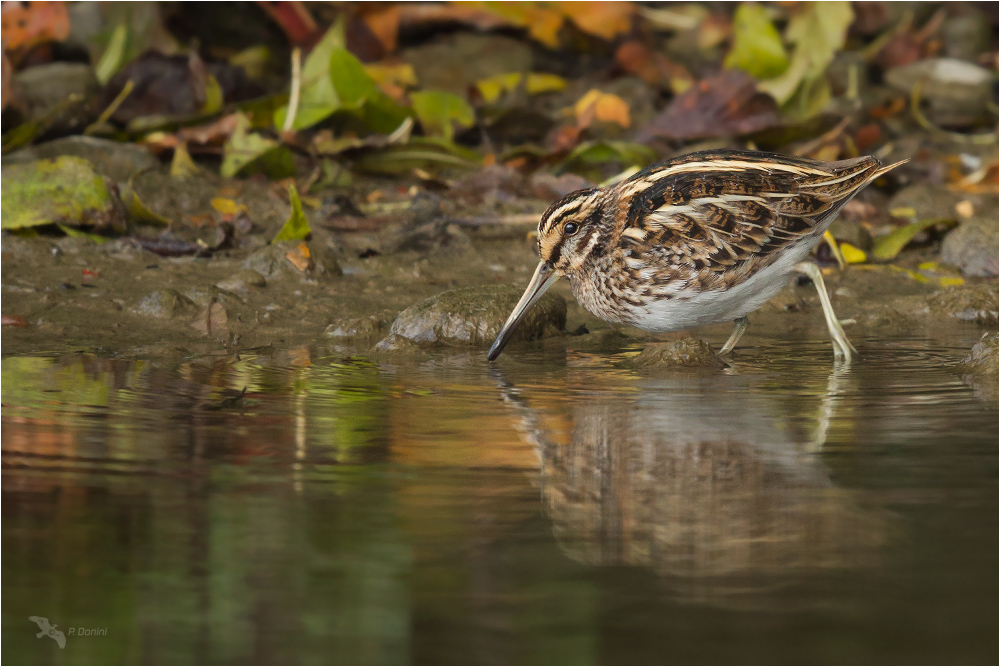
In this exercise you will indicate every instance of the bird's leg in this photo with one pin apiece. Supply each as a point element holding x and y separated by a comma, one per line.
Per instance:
<point>739,326</point>
<point>842,347</point>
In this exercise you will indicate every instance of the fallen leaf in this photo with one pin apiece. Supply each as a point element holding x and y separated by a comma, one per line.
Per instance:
<point>384,24</point>
<point>213,318</point>
<point>317,96</point>
<point>247,151</point>
<point>887,247</point>
<point>351,82</point>
<point>297,226</point>
<point>182,166</point>
<point>439,112</point>
<point>492,88</point>
<point>757,47</point>
<point>299,256</point>
<point>393,79</point>
<point>13,321</point>
<point>227,206</point>
<point>852,255</point>
<point>294,19</point>
<point>601,106</point>
<point>653,67</point>
<point>818,31</point>
<point>26,24</point>
<point>602,19</point>
<point>726,104</point>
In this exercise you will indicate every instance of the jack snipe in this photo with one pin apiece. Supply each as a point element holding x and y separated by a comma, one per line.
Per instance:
<point>703,238</point>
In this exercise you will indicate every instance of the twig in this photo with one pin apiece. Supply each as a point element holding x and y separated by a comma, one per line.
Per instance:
<point>112,108</point>
<point>293,100</point>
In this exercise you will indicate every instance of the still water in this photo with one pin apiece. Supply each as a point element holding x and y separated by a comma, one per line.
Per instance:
<point>557,508</point>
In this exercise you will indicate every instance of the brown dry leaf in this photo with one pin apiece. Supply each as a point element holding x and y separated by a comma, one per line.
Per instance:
<point>726,104</point>
<point>601,106</point>
<point>211,319</point>
<point>214,133</point>
<point>652,67</point>
<point>384,24</point>
<point>965,208</point>
<point>602,19</point>
<point>982,181</point>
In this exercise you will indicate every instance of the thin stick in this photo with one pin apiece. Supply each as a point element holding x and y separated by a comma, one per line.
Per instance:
<point>113,107</point>
<point>293,100</point>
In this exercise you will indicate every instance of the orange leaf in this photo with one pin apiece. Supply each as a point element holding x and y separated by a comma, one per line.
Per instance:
<point>603,19</point>
<point>384,24</point>
<point>25,24</point>
<point>597,105</point>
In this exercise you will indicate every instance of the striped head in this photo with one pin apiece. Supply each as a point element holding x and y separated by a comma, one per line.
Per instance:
<point>571,230</point>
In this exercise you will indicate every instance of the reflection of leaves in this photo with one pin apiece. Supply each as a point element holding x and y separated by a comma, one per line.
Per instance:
<point>492,88</point>
<point>723,105</point>
<point>245,151</point>
<point>297,226</point>
<point>439,112</point>
<point>818,32</point>
<point>757,47</point>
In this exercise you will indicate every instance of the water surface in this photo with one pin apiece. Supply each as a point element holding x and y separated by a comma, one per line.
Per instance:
<point>556,508</point>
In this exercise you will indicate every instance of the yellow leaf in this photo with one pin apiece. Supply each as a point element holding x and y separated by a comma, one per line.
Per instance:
<point>853,255</point>
<point>227,206</point>
<point>182,166</point>
<point>495,86</point>
<point>401,74</point>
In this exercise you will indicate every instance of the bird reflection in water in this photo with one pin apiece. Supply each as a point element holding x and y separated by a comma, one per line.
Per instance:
<point>713,483</point>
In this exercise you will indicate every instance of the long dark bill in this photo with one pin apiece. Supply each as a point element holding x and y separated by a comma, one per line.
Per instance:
<point>541,281</point>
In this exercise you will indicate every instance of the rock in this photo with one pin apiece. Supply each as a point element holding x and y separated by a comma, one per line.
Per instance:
<point>929,202</point>
<point>64,190</point>
<point>394,343</point>
<point>966,36</point>
<point>116,160</point>
<point>971,302</point>
<point>285,260</point>
<point>972,246</point>
<point>685,352</point>
<point>957,91</point>
<point>355,327</point>
<point>474,315</point>
<point>242,283</point>
<point>981,369</point>
<point>56,94</point>
<point>164,304</point>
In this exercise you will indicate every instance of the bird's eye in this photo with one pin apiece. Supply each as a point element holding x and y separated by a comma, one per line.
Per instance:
<point>570,228</point>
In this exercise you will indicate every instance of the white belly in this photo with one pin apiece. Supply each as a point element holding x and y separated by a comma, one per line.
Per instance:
<point>687,309</point>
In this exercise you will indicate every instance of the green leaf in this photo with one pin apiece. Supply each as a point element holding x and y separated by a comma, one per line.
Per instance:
<point>818,31</point>
<point>439,112</point>
<point>296,227</point>
<point>887,247</point>
<point>425,153</point>
<point>114,56</point>
<point>79,233</point>
<point>350,81</point>
<point>245,152</point>
<point>757,47</point>
<point>383,114</point>
<point>318,98</point>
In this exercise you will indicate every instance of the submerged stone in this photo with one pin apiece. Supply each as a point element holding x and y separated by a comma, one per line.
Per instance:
<point>164,304</point>
<point>981,369</point>
<point>474,316</point>
<point>355,327</point>
<point>685,352</point>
